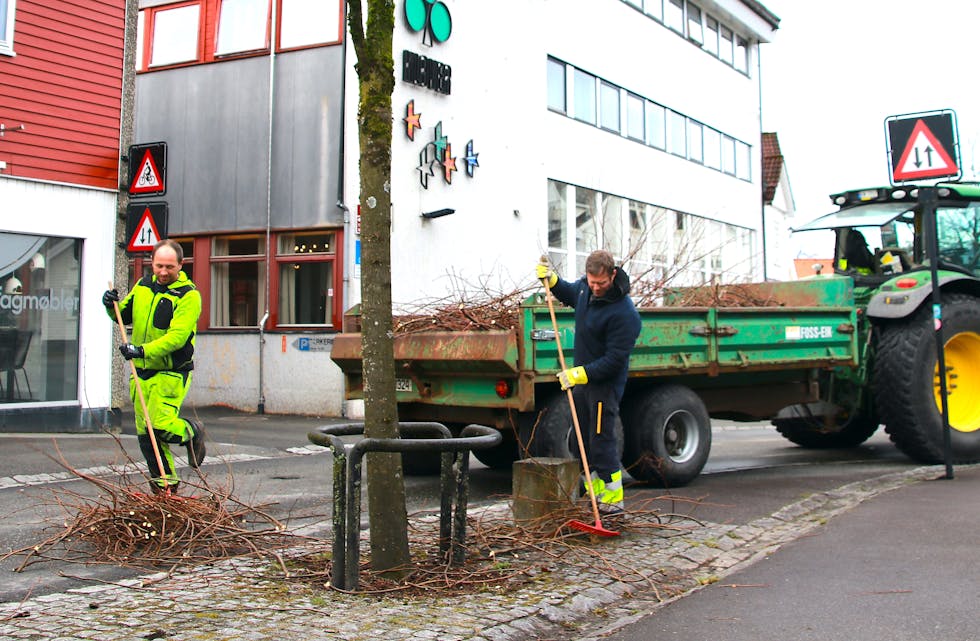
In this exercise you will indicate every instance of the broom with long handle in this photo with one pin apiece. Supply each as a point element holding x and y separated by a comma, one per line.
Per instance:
<point>139,388</point>
<point>578,525</point>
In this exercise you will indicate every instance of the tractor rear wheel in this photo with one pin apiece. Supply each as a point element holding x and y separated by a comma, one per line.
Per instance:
<point>907,390</point>
<point>825,426</point>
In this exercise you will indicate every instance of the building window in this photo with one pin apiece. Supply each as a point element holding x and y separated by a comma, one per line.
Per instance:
<point>741,54</point>
<point>674,15</point>
<point>309,22</point>
<point>725,44</point>
<point>585,105</point>
<point>237,280</point>
<point>676,134</point>
<point>656,126</point>
<point>7,8</point>
<point>711,142</point>
<point>634,117</point>
<point>743,161</point>
<point>694,29</point>
<point>711,36</point>
<point>556,86</point>
<point>40,277</point>
<point>661,244</point>
<point>242,26</point>
<point>176,35</point>
<point>609,104</point>
<point>654,9</point>
<point>728,155</point>
<point>306,282</point>
<point>695,151</point>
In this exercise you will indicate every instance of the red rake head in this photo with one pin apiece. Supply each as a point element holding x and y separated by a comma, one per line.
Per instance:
<point>596,529</point>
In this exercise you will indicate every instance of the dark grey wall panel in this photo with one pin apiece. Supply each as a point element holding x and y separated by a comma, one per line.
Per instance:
<point>215,120</point>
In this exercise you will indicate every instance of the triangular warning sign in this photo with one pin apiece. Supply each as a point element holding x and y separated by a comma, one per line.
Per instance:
<point>924,157</point>
<point>147,179</point>
<point>146,234</point>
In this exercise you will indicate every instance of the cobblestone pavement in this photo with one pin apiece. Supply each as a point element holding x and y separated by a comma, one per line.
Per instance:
<point>237,600</point>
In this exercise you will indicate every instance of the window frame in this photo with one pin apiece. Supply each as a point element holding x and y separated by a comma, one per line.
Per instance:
<point>7,28</point>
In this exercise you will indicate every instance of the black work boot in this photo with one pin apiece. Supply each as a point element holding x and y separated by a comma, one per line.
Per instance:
<point>196,451</point>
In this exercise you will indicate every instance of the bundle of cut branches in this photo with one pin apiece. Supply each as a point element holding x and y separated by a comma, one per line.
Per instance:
<point>734,295</point>
<point>483,311</point>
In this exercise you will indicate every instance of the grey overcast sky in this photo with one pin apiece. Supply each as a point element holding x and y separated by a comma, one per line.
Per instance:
<point>837,69</point>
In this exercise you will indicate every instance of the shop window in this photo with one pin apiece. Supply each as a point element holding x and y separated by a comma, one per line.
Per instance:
<point>7,26</point>
<point>237,280</point>
<point>39,286</point>
<point>306,280</point>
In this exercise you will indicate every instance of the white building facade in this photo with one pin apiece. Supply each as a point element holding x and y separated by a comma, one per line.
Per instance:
<point>561,128</point>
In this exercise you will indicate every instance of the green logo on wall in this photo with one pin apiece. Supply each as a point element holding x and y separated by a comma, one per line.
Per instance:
<point>431,17</point>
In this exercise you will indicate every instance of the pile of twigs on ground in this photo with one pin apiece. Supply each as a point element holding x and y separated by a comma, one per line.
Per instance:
<point>504,555</point>
<point>123,525</point>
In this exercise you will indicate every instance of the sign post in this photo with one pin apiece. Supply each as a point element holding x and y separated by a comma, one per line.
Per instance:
<point>924,146</point>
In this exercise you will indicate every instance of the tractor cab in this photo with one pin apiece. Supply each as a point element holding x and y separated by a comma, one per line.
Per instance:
<point>879,232</point>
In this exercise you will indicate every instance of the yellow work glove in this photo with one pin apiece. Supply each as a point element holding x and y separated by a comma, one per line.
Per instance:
<point>572,377</point>
<point>545,273</point>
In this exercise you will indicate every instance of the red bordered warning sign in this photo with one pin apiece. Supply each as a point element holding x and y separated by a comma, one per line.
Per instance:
<point>146,225</point>
<point>148,169</point>
<point>923,146</point>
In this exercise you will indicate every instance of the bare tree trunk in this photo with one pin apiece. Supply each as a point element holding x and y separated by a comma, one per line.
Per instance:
<point>386,485</point>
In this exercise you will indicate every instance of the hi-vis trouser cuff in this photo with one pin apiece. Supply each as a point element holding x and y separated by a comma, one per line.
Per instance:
<point>608,492</point>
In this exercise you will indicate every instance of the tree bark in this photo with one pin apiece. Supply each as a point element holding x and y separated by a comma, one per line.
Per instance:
<point>386,485</point>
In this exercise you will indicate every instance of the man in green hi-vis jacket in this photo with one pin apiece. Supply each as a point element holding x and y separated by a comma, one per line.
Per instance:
<point>163,310</point>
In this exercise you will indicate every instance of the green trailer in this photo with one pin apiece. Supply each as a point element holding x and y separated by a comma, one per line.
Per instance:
<point>830,359</point>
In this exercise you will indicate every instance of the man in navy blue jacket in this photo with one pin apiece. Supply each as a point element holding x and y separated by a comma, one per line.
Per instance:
<point>606,327</point>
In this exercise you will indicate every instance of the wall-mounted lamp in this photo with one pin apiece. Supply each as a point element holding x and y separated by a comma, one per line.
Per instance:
<point>438,213</point>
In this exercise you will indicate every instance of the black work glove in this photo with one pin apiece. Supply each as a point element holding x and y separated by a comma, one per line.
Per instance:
<point>130,351</point>
<point>110,296</point>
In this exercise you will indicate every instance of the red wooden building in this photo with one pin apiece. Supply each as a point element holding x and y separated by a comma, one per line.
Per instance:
<point>62,78</point>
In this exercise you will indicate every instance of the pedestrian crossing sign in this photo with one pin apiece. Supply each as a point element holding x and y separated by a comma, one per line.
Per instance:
<point>923,146</point>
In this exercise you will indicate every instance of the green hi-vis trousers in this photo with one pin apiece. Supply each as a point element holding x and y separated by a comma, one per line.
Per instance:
<point>164,393</point>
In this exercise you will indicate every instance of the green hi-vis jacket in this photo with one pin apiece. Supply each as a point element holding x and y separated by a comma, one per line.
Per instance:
<point>164,321</point>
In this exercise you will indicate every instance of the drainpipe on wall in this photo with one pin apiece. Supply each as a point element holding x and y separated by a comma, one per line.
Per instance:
<point>349,240</point>
<point>762,177</point>
<point>268,211</point>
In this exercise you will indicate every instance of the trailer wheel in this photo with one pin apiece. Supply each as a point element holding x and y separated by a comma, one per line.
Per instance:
<point>499,457</point>
<point>551,432</point>
<point>668,436</point>
<point>820,430</point>
<point>907,384</point>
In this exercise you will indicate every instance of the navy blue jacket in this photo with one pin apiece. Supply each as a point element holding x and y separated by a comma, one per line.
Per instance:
<point>605,328</point>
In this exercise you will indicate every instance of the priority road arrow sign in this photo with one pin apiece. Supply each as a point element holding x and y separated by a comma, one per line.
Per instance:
<point>922,146</point>
<point>146,225</point>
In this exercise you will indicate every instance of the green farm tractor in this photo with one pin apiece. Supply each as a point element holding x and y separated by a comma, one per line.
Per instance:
<point>882,239</point>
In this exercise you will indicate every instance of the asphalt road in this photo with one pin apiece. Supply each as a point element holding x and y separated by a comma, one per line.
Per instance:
<point>268,460</point>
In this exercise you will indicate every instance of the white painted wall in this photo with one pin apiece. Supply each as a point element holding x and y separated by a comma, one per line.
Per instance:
<point>295,381</point>
<point>498,53</point>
